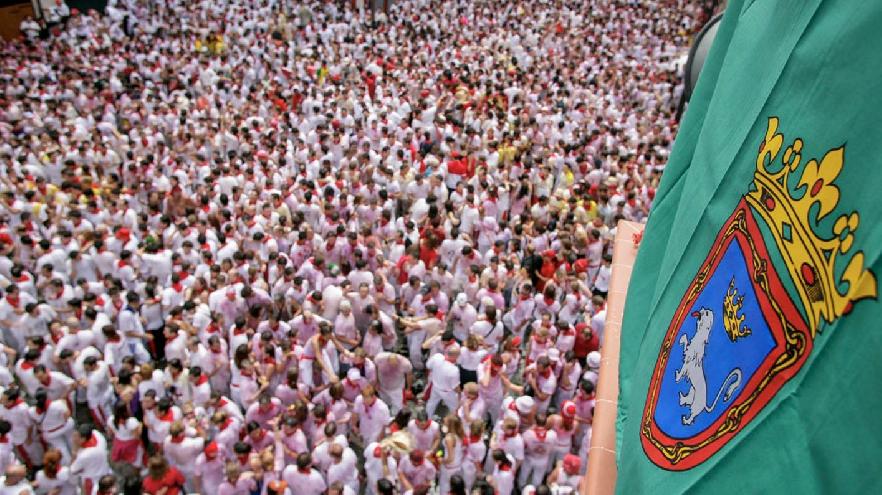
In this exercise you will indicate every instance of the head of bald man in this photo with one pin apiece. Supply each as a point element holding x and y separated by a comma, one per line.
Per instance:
<point>14,474</point>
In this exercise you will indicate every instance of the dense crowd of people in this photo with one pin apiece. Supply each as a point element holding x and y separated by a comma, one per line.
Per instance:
<point>295,248</point>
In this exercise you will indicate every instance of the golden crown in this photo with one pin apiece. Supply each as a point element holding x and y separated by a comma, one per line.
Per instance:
<point>791,215</point>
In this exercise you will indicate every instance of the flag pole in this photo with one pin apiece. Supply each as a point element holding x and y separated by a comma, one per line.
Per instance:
<point>601,476</point>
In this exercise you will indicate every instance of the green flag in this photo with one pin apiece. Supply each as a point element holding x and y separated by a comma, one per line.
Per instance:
<point>751,343</point>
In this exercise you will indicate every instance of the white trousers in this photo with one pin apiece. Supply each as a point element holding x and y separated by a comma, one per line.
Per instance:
<point>449,397</point>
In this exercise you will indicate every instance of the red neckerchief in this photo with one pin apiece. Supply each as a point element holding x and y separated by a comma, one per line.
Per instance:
<point>378,451</point>
<point>26,365</point>
<point>91,442</point>
<point>13,300</point>
<point>5,439</point>
<point>122,263</point>
<point>549,301</point>
<point>168,417</point>
<point>177,438</point>
<point>178,287</point>
<point>547,372</point>
<point>16,403</point>
<point>540,433</point>
<point>47,381</point>
<point>226,424</point>
<point>306,471</point>
<point>505,467</point>
<point>202,380</point>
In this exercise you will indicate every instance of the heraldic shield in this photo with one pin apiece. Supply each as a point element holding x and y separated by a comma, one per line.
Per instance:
<point>744,328</point>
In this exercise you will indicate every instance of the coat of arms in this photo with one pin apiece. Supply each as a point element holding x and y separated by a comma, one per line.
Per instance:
<point>744,328</point>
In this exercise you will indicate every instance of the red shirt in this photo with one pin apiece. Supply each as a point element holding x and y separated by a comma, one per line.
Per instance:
<point>428,256</point>
<point>583,346</point>
<point>173,480</point>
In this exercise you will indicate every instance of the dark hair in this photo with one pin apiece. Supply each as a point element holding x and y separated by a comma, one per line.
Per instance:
<point>84,430</point>
<point>457,485</point>
<point>385,487</point>
<point>41,399</point>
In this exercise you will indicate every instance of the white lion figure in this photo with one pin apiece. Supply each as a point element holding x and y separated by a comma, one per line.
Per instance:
<point>693,369</point>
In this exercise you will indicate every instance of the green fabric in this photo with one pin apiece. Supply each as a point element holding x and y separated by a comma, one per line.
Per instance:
<point>813,64</point>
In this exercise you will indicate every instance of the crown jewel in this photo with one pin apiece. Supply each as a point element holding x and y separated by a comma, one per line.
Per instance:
<point>793,214</point>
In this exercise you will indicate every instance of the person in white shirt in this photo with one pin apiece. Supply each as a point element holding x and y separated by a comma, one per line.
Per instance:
<point>54,422</point>
<point>343,466</point>
<point>99,391</point>
<point>418,330</point>
<point>209,468</point>
<point>444,378</point>
<point>90,462</point>
<point>15,411</point>
<point>503,477</point>
<point>14,481</point>
<point>303,476</point>
<point>394,374</point>
<point>414,470</point>
<point>379,464</point>
<point>130,326</point>
<point>181,448</point>
<point>539,443</point>
<point>370,415</point>
<point>55,477</point>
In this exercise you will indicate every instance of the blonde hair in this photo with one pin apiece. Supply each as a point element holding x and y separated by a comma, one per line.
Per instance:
<point>476,427</point>
<point>470,388</point>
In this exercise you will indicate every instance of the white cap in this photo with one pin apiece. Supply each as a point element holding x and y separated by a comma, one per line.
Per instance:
<point>590,376</point>
<point>524,404</point>
<point>353,374</point>
<point>462,299</point>
<point>553,354</point>
<point>593,360</point>
<point>344,304</point>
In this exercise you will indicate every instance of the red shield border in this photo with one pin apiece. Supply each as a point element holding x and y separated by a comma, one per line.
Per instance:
<point>793,345</point>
